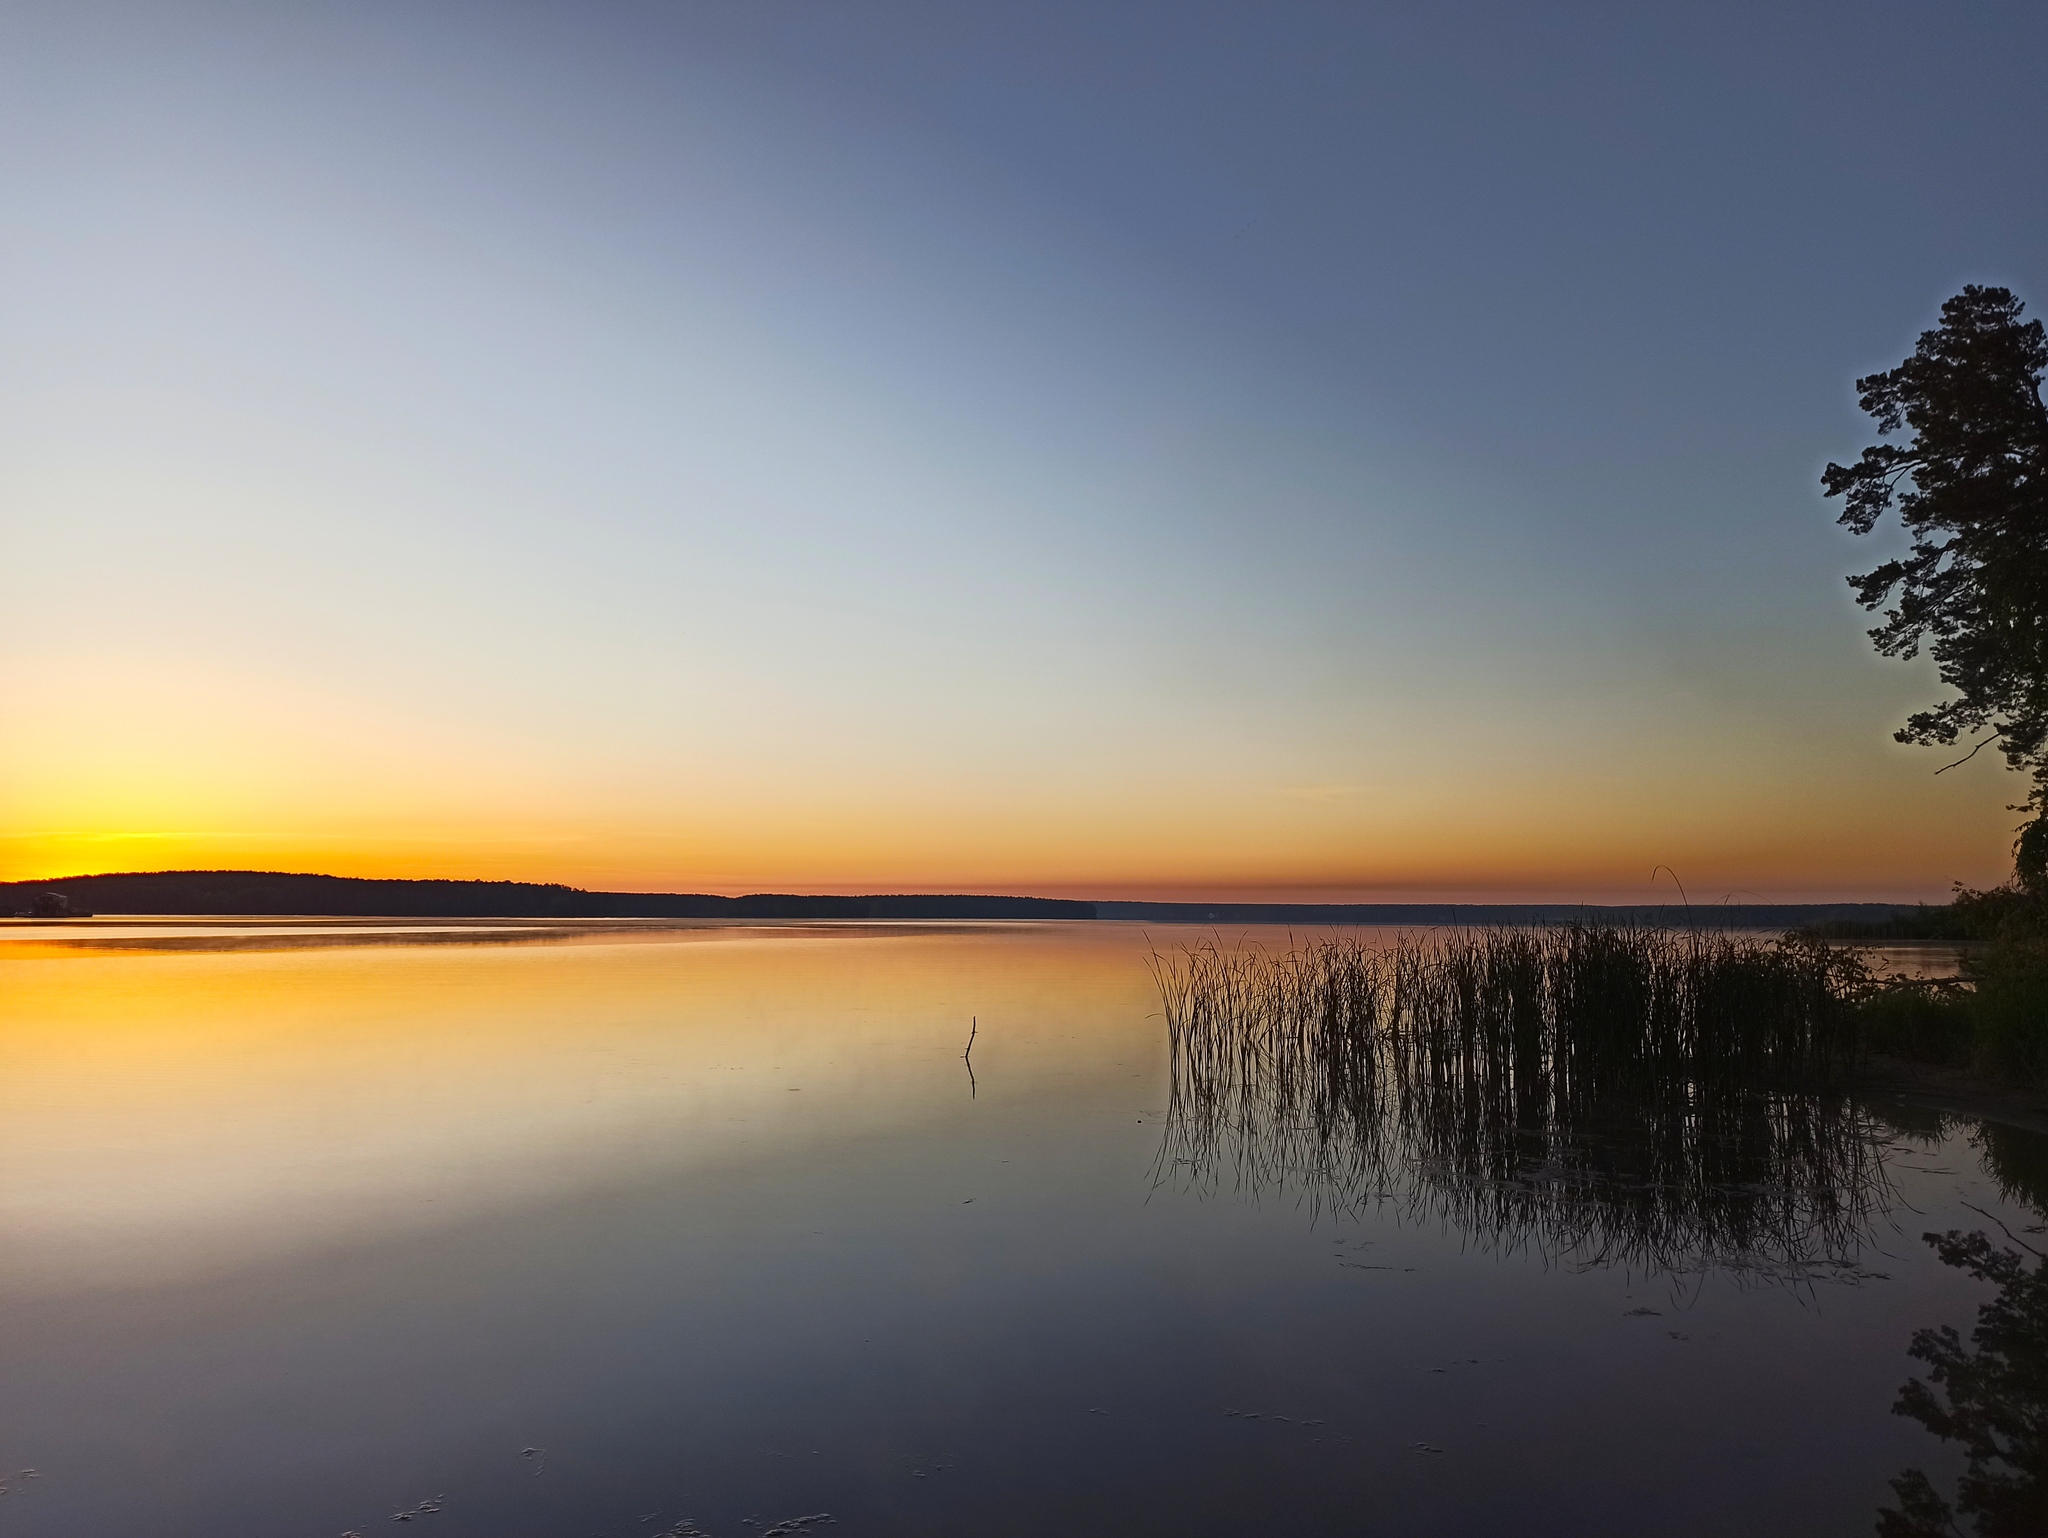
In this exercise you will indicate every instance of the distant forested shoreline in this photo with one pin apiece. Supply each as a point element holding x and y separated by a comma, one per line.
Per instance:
<point>276,893</point>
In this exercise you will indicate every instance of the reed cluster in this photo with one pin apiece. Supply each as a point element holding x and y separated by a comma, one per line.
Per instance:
<point>1615,1095</point>
<point>1570,1005</point>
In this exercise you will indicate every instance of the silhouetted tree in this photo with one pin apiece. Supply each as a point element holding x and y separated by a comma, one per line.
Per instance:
<point>1971,489</point>
<point>2030,859</point>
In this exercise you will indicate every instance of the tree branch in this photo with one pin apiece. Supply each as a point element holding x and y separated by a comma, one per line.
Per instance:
<point>1980,747</point>
<point>2016,1239</point>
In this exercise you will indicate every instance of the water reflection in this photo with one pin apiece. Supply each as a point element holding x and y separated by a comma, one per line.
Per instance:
<point>1467,1084</point>
<point>1682,1178</point>
<point>294,1240</point>
<point>174,1109</point>
<point>1990,1397</point>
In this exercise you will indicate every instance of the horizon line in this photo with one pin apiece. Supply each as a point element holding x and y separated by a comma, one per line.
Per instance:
<point>1179,902</point>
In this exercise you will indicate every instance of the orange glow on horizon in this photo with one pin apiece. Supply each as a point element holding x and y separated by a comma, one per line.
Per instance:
<point>1772,864</point>
<point>122,766</point>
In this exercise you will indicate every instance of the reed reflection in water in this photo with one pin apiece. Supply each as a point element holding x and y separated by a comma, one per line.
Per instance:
<point>1662,1101</point>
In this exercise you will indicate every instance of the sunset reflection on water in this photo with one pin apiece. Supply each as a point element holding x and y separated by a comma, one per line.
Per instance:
<point>172,1108</point>
<point>307,1222</point>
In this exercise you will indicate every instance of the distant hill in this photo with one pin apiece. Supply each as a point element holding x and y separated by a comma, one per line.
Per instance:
<point>271,892</point>
<point>247,892</point>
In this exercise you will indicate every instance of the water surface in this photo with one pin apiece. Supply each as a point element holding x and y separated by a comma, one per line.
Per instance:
<point>613,1230</point>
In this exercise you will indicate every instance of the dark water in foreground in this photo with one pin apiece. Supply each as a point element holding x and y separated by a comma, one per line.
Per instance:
<point>647,1232</point>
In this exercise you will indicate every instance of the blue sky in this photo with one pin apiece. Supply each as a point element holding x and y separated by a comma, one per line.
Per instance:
<point>1093,449</point>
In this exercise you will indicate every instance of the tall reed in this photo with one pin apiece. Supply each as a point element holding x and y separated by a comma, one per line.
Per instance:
<point>1613,1094</point>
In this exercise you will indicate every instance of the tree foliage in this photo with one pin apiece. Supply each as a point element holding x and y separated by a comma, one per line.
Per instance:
<point>1970,486</point>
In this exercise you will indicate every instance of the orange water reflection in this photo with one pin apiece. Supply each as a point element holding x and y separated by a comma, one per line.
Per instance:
<point>179,1108</point>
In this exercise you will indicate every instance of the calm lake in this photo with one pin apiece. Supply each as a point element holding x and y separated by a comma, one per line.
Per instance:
<point>640,1230</point>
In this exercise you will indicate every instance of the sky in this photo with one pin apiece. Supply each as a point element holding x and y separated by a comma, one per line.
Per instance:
<point>1294,451</point>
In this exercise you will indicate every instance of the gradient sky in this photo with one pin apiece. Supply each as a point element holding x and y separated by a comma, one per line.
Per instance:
<point>1091,449</point>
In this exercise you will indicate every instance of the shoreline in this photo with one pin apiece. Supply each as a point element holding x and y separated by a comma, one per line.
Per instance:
<point>1958,1091</point>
